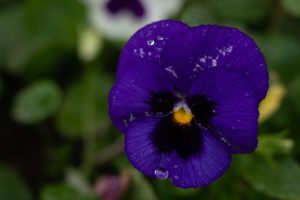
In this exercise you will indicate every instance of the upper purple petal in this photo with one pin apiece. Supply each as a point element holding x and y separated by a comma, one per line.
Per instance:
<point>146,45</point>
<point>210,46</point>
<point>129,98</point>
<point>202,169</point>
<point>236,111</point>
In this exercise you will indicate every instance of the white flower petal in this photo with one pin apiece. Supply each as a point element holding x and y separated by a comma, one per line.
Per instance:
<point>124,24</point>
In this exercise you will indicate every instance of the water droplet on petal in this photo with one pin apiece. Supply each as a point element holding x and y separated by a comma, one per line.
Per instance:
<point>132,118</point>
<point>161,173</point>
<point>229,49</point>
<point>125,123</point>
<point>175,166</point>
<point>141,52</point>
<point>176,177</point>
<point>150,42</point>
<point>214,62</point>
<point>160,38</point>
<point>171,70</point>
<point>203,60</point>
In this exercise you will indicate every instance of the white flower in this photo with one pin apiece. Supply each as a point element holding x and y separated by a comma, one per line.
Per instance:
<point>123,24</point>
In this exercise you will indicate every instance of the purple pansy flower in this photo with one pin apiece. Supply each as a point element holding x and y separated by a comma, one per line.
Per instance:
<point>187,98</point>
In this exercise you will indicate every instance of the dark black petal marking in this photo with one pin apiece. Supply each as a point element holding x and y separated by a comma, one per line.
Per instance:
<point>163,102</point>
<point>202,109</point>
<point>170,136</point>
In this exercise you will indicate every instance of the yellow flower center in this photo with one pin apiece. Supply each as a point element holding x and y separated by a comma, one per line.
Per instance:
<point>182,116</point>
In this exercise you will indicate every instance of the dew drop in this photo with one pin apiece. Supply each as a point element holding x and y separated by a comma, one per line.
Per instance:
<point>161,173</point>
<point>160,38</point>
<point>132,118</point>
<point>171,70</point>
<point>141,52</point>
<point>176,177</point>
<point>214,62</point>
<point>175,166</point>
<point>203,60</point>
<point>224,140</point>
<point>150,42</point>
<point>229,49</point>
<point>125,123</point>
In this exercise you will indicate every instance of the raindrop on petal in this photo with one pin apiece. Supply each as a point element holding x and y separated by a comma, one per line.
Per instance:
<point>150,42</point>
<point>161,173</point>
<point>160,38</point>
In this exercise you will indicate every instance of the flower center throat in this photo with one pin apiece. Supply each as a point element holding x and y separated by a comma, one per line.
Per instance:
<point>182,115</point>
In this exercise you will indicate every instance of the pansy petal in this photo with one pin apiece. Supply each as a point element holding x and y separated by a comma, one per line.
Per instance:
<point>139,147</point>
<point>130,97</point>
<point>235,114</point>
<point>201,169</point>
<point>211,46</point>
<point>146,45</point>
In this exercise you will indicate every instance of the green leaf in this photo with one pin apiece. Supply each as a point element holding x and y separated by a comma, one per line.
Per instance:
<point>63,192</point>
<point>140,188</point>
<point>282,54</point>
<point>292,7</point>
<point>37,102</point>
<point>85,105</point>
<point>36,35</point>
<point>232,187</point>
<point>278,179</point>
<point>294,93</point>
<point>274,144</point>
<point>11,186</point>
<point>55,19</point>
<point>252,11</point>
<point>197,14</point>
<point>13,38</point>
<point>58,160</point>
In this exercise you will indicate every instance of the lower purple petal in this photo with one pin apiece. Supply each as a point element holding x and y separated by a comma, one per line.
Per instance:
<point>201,169</point>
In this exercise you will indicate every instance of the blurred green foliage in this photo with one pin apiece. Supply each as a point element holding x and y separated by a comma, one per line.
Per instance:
<point>11,186</point>
<point>37,102</point>
<point>63,192</point>
<point>53,96</point>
